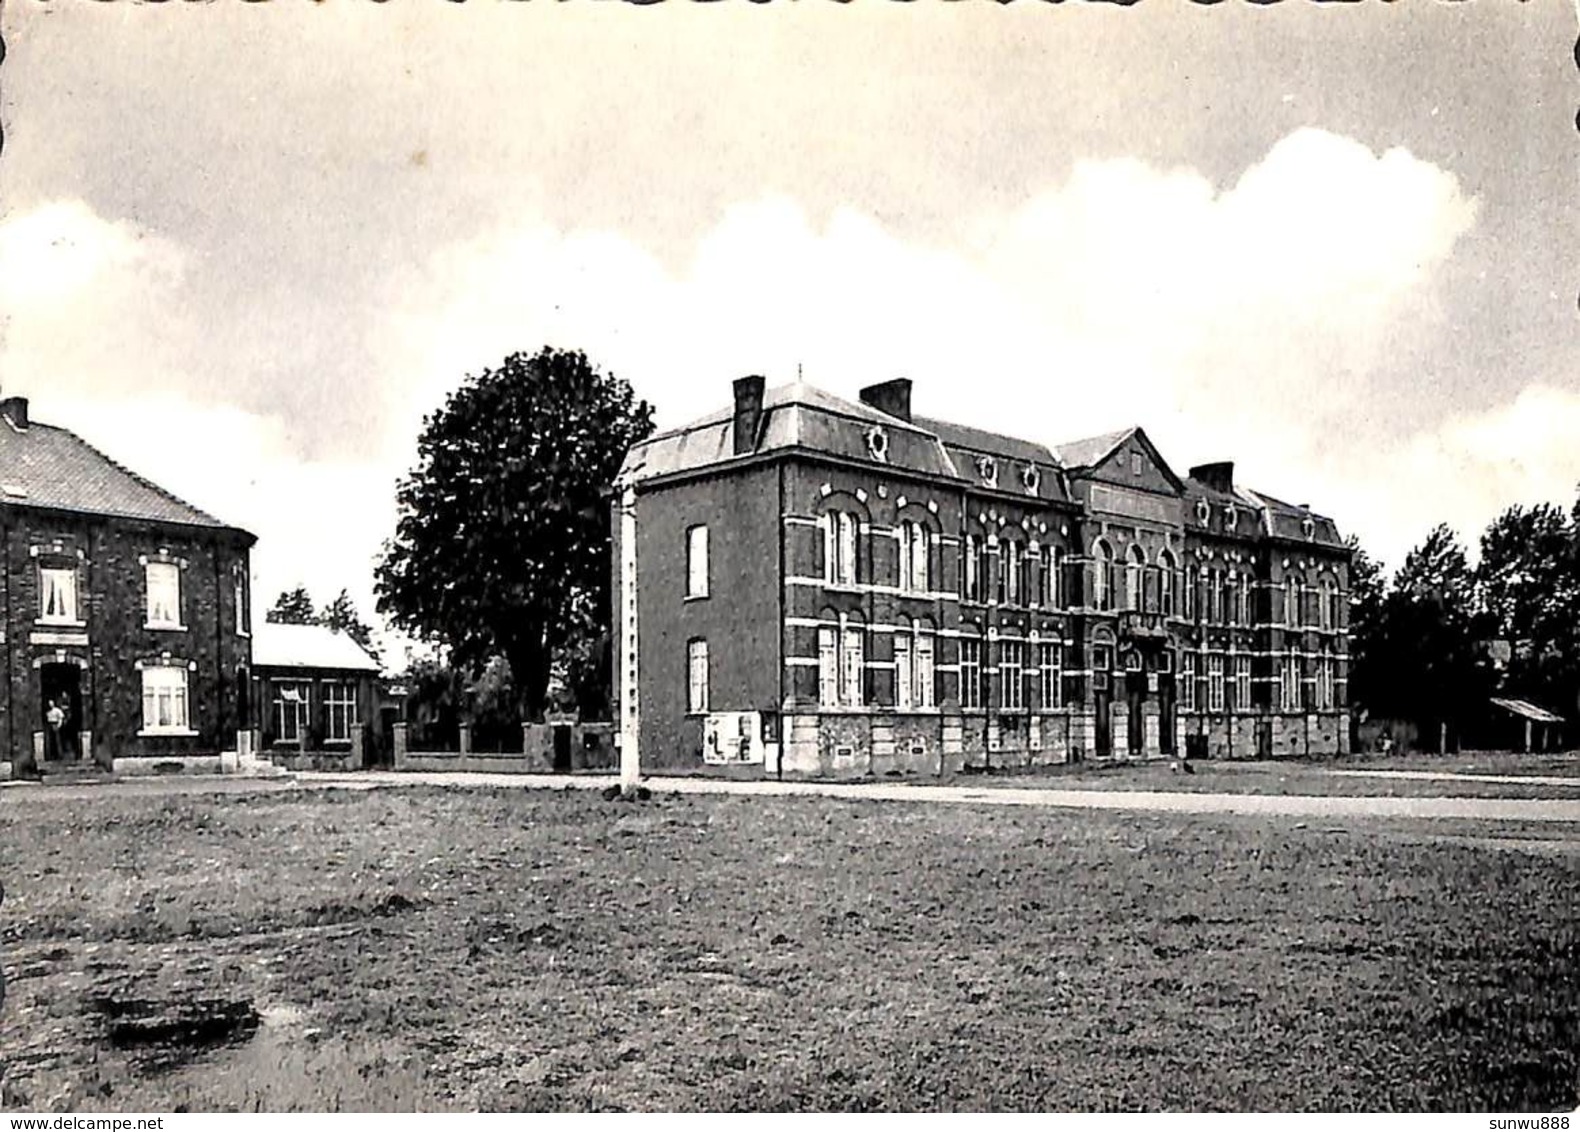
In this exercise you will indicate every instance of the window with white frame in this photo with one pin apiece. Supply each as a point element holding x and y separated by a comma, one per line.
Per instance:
<point>697,561</point>
<point>1166,581</point>
<point>57,595</point>
<point>903,674</point>
<point>1215,596</point>
<point>1289,686</point>
<point>922,692</point>
<point>1231,604</point>
<point>970,672</point>
<point>340,710</point>
<point>1048,676</point>
<point>1048,578</point>
<point>915,557</point>
<point>1215,682</point>
<point>1292,602</point>
<point>1326,606</point>
<point>292,701</point>
<point>165,700</point>
<point>1135,566</point>
<point>1242,683</point>
<point>696,676</point>
<point>853,666</point>
<point>163,583</point>
<point>828,666</point>
<point>1325,682</point>
<point>1010,574</point>
<point>1187,688</point>
<point>1242,597</point>
<point>1102,575</point>
<point>1011,674</point>
<point>239,579</point>
<point>840,559</point>
<point>970,579</point>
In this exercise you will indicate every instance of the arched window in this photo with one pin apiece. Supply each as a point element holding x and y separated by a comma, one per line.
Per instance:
<point>841,531</point>
<point>1231,604</point>
<point>1102,575</point>
<point>915,556</point>
<point>1012,572</point>
<point>1328,605</point>
<point>1292,589</point>
<point>1166,582</point>
<point>1135,567</point>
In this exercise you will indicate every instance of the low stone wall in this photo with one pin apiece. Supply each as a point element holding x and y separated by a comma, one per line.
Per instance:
<point>591,749</point>
<point>317,760</point>
<point>173,764</point>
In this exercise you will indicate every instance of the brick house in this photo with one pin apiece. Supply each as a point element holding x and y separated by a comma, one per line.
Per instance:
<point>315,693</point>
<point>126,611</point>
<point>808,585</point>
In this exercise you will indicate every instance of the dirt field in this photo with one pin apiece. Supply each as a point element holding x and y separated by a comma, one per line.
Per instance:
<point>479,949</point>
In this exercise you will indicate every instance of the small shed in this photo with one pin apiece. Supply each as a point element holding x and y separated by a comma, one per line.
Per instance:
<point>315,696</point>
<point>1540,730</point>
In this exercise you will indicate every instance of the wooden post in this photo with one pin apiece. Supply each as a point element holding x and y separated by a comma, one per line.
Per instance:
<point>1527,736</point>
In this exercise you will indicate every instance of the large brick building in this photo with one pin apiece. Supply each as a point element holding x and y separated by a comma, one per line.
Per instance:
<point>125,634</point>
<point>807,585</point>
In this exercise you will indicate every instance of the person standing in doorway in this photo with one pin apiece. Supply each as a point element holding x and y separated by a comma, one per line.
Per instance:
<point>56,718</point>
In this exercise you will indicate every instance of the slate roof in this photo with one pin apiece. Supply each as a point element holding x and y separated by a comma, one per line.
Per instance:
<point>307,646</point>
<point>793,416</point>
<point>1093,450</point>
<point>46,466</point>
<point>990,443</point>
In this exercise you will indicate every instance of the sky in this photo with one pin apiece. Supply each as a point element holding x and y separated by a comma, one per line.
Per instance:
<point>245,248</point>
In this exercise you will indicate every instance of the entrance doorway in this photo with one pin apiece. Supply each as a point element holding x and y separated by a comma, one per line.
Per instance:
<point>1105,729</point>
<point>562,748</point>
<point>1136,699</point>
<point>1166,711</point>
<point>60,685</point>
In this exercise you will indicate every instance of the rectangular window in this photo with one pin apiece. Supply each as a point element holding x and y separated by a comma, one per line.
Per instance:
<point>1242,682</point>
<point>903,675</point>
<point>1166,581</point>
<point>1215,682</point>
<point>696,676</point>
<point>1188,682</point>
<point>1009,586</point>
<point>165,700</point>
<point>697,562</point>
<point>828,667</point>
<point>923,696</point>
<point>1011,674</point>
<point>970,673</point>
<point>291,701</point>
<point>1048,676</point>
<point>1231,610</point>
<point>57,595</point>
<point>340,711</point>
<point>1289,686</point>
<point>242,620</point>
<point>164,595</point>
<point>853,667</point>
<point>915,557</point>
<point>1215,597</point>
<point>1051,566</point>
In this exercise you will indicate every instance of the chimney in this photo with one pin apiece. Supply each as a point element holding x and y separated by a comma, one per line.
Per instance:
<point>14,409</point>
<point>892,397</point>
<point>748,413</point>
<point>1219,477</point>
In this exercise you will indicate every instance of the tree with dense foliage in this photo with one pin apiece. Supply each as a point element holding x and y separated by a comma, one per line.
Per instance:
<point>1368,674</point>
<point>1529,584</point>
<point>502,545</point>
<point>293,607</point>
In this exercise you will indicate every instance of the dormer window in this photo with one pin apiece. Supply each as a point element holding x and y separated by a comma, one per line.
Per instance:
<point>878,443</point>
<point>1203,512</point>
<point>987,468</point>
<point>1308,527</point>
<point>1030,477</point>
<point>1231,516</point>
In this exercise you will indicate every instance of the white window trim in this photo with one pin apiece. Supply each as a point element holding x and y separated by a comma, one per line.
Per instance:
<point>176,626</point>
<point>75,621</point>
<point>698,698</point>
<point>693,590</point>
<point>347,707</point>
<point>177,730</point>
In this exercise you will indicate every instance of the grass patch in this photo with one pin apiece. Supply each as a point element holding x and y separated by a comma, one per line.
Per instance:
<point>532,950</point>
